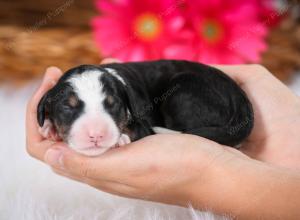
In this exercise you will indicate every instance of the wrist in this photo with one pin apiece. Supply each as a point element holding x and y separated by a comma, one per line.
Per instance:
<point>214,178</point>
<point>245,188</point>
<point>222,185</point>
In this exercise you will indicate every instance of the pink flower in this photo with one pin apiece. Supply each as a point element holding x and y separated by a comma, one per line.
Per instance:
<point>214,31</point>
<point>223,32</point>
<point>268,13</point>
<point>135,30</point>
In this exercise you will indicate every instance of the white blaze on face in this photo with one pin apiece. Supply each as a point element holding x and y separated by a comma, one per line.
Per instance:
<point>94,131</point>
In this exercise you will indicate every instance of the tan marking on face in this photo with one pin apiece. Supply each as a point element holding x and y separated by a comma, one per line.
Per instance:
<point>73,101</point>
<point>110,99</point>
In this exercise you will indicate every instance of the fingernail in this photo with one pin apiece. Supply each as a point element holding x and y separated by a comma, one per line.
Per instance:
<point>49,71</point>
<point>54,157</point>
<point>52,69</point>
<point>110,60</point>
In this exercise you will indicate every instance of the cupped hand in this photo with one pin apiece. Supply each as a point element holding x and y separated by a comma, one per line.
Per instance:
<point>275,136</point>
<point>35,143</point>
<point>166,168</point>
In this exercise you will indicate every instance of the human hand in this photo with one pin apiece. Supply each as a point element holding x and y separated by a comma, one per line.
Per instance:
<point>35,143</point>
<point>167,168</point>
<point>141,173</point>
<point>275,137</point>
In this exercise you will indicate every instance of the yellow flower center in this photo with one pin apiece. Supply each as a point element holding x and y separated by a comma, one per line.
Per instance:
<point>211,31</point>
<point>147,26</point>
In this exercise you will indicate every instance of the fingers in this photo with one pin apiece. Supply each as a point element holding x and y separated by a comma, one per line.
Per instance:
<point>38,149</point>
<point>110,60</point>
<point>51,76</point>
<point>243,73</point>
<point>240,73</point>
<point>33,137</point>
<point>107,166</point>
<point>106,186</point>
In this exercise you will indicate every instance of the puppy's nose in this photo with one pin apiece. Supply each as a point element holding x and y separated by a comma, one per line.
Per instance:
<point>96,135</point>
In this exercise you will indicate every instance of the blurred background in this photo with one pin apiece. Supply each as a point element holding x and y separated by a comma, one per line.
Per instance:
<point>35,34</point>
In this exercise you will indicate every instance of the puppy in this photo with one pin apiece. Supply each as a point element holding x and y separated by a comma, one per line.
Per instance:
<point>96,107</point>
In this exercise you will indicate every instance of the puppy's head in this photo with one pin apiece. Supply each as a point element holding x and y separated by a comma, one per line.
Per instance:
<point>88,109</point>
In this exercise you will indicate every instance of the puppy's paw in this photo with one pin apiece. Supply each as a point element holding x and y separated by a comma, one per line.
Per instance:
<point>124,139</point>
<point>48,131</point>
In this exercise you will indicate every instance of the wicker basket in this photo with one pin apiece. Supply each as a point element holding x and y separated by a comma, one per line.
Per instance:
<point>35,35</point>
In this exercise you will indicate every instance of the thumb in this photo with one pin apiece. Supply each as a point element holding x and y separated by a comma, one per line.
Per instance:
<point>105,166</point>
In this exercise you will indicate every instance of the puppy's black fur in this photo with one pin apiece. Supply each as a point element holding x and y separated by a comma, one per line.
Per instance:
<point>179,95</point>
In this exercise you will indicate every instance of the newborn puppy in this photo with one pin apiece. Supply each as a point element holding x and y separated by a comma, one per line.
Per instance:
<point>96,107</point>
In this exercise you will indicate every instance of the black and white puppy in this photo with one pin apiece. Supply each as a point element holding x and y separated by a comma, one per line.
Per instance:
<point>96,107</point>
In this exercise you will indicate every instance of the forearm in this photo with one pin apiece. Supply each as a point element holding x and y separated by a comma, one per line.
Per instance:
<point>248,189</point>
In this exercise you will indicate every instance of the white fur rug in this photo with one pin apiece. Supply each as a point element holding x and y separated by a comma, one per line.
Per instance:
<point>30,191</point>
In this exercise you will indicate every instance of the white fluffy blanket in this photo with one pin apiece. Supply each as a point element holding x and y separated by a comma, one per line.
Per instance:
<point>31,191</point>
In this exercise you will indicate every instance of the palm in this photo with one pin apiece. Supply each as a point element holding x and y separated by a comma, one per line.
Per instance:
<point>276,113</point>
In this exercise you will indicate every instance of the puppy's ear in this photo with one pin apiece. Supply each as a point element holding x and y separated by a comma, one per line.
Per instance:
<point>42,109</point>
<point>46,129</point>
<point>139,123</point>
<point>135,102</point>
<point>132,101</point>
